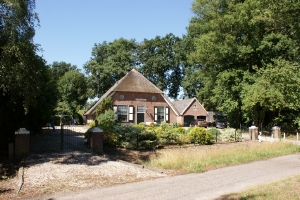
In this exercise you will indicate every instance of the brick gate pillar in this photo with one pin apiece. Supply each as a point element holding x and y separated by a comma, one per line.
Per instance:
<point>96,139</point>
<point>253,133</point>
<point>22,143</point>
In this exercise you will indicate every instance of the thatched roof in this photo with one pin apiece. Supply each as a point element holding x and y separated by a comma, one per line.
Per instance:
<point>133,81</point>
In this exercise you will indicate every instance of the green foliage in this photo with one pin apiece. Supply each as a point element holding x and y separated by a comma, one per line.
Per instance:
<point>105,104</point>
<point>60,68</point>
<point>107,120</point>
<point>92,124</point>
<point>176,125</point>
<point>72,87</point>
<point>200,136</point>
<point>135,137</point>
<point>179,130</point>
<point>231,135</point>
<point>23,73</point>
<point>183,139</point>
<point>109,63</point>
<point>141,126</point>
<point>46,98</point>
<point>214,132</point>
<point>246,53</point>
<point>161,60</point>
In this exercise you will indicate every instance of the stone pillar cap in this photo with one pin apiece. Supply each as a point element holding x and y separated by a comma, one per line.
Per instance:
<point>22,131</point>
<point>96,130</point>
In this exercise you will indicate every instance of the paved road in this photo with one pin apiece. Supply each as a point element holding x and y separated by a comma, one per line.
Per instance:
<point>209,185</point>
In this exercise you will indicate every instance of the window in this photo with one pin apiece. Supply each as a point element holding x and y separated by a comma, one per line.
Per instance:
<point>140,109</point>
<point>161,113</point>
<point>124,113</point>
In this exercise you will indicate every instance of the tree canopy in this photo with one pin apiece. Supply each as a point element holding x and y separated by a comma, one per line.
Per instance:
<point>247,48</point>
<point>24,77</point>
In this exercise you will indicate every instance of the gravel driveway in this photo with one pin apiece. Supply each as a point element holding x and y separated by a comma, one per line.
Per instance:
<point>49,170</point>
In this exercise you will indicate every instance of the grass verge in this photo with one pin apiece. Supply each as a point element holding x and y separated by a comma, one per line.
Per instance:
<point>204,158</point>
<point>284,189</point>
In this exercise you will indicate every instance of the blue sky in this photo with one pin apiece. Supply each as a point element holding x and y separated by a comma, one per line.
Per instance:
<point>70,28</point>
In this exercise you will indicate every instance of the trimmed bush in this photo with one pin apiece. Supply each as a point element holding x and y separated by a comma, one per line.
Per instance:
<point>200,135</point>
<point>183,139</point>
<point>135,137</point>
<point>214,132</point>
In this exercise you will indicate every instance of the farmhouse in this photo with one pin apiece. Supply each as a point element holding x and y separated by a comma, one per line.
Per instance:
<point>135,99</point>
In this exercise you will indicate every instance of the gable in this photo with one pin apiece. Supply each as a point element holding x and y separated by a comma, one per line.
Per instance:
<point>133,81</point>
<point>186,105</point>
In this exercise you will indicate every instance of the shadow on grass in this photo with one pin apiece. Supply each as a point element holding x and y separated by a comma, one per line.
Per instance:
<point>236,196</point>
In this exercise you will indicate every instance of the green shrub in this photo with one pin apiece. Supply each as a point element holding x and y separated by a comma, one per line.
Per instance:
<point>183,139</point>
<point>135,137</point>
<point>214,132</point>
<point>110,139</point>
<point>176,125</point>
<point>200,135</point>
<point>92,124</point>
<point>106,120</point>
<point>141,126</point>
<point>180,130</point>
<point>166,134</point>
<point>164,125</point>
<point>231,135</point>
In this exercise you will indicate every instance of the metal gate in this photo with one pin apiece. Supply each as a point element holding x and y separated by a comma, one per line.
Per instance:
<point>64,138</point>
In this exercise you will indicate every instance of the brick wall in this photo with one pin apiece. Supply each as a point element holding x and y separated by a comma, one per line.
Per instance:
<point>196,109</point>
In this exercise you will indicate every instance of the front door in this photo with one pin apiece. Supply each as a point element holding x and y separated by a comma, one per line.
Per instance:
<point>140,114</point>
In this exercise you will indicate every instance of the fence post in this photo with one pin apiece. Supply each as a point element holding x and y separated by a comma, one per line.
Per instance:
<point>61,136</point>
<point>297,137</point>
<point>137,140</point>
<point>216,136</point>
<point>235,135</point>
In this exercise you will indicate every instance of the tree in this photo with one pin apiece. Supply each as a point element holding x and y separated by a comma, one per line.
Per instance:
<point>20,67</point>
<point>39,115</point>
<point>105,104</point>
<point>109,63</point>
<point>238,41</point>
<point>274,88</point>
<point>161,62</point>
<point>60,68</point>
<point>72,87</point>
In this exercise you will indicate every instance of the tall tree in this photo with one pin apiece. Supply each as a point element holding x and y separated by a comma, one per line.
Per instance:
<point>162,61</point>
<point>109,63</point>
<point>20,66</point>
<point>233,39</point>
<point>72,87</point>
<point>60,68</point>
